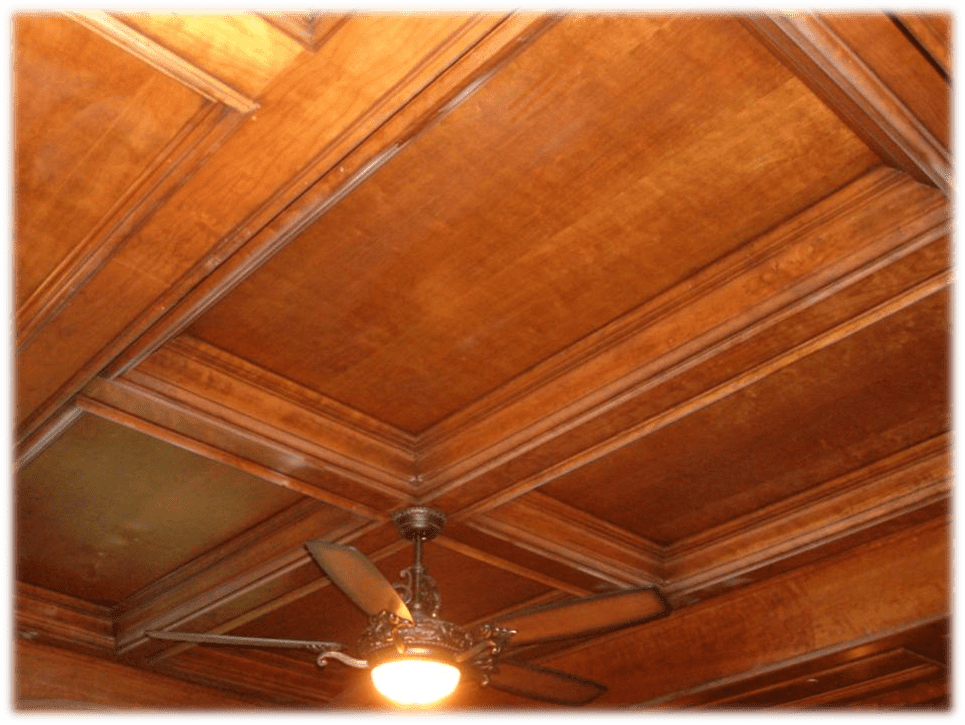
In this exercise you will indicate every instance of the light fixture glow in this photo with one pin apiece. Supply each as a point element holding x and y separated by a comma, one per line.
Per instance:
<point>415,681</point>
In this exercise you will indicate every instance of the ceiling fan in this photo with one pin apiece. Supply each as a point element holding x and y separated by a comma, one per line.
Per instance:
<point>416,658</point>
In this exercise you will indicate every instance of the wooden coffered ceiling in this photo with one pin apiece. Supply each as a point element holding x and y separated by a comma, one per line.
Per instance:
<point>632,298</point>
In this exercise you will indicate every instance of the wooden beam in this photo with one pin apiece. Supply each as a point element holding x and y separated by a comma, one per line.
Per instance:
<point>867,592</point>
<point>520,437</point>
<point>247,218</point>
<point>48,617</point>
<point>572,537</point>
<point>901,490</point>
<point>856,91</point>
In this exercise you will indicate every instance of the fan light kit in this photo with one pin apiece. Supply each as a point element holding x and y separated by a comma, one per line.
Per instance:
<point>417,659</point>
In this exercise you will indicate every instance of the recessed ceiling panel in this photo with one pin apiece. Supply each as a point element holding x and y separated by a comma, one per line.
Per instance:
<point>610,160</point>
<point>883,389</point>
<point>89,120</point>
<point>106,510</point>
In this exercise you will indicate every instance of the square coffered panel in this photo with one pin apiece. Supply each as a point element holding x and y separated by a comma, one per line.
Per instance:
<point>556,198</point>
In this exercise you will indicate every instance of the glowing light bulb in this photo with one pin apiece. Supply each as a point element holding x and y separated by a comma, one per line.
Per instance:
<point>415,681</point>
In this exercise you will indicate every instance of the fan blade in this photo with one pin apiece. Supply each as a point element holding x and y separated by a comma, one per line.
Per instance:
<point>542,683</point>
<point>354,573</point>
<point>228,639</point>
<point>587,616</point>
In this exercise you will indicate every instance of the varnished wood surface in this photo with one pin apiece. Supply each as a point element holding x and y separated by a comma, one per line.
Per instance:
<point>634,298</point>
<point>542,261</point>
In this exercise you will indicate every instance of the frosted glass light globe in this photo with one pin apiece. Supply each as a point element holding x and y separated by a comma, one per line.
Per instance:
<point>415,681</point>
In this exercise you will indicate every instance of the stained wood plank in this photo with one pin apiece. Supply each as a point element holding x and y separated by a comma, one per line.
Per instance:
<point>780,275</point>
<point>532,243</point>
<point>862,97</point>
<point>144,280</point>
<point>98,126</point>
<point>833,604</point>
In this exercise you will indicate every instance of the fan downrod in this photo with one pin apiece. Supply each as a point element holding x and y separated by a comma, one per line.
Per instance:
<point>419,523</point>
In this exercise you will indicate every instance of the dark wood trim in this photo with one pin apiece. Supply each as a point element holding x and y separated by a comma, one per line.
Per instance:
<point>49,617</point>
<point>931,37</point>
<point>744,295</point>
<point>164,60</point>
<point>812,50</point>
<point>447,76</point>
<point>194,143</point>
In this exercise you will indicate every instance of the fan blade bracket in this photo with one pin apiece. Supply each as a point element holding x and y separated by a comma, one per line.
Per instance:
<point>240,641</point>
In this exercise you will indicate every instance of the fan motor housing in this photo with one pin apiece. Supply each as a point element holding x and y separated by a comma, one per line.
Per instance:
<point>389,636</point>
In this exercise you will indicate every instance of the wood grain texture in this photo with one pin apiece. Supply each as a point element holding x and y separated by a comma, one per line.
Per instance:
<point>477,50</point>
<point>749,292</point>
<point>634,298</point>
<point>859,91</point>
<point>495,288</point>
<point>934,32</point>
<point>58,370</point>
<point>47,617</point>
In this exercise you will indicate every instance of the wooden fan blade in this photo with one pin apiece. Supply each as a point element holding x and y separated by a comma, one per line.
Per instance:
<point>542,683</point>
<point>586,616</point>
<point>355,574</point>
<point>228,639</point>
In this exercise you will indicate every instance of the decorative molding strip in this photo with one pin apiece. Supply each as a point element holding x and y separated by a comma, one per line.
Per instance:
<point>194,143</point>
<point>718,392</point>
<point>191,362</point>
<point>931,32</point>
<point>512,567</point>
<point>349,484</point>
<point>565,534</point>
<point>445,78</point>
<point>50,617</point>
<point>746,294</point>
<point>898,487</point>
<point>812,50</point>
<point>164,60</point>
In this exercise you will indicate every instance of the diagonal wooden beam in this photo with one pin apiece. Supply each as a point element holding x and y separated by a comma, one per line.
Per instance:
<point>435,64</point>
<point>838,74</point>
<point>524,439</point>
